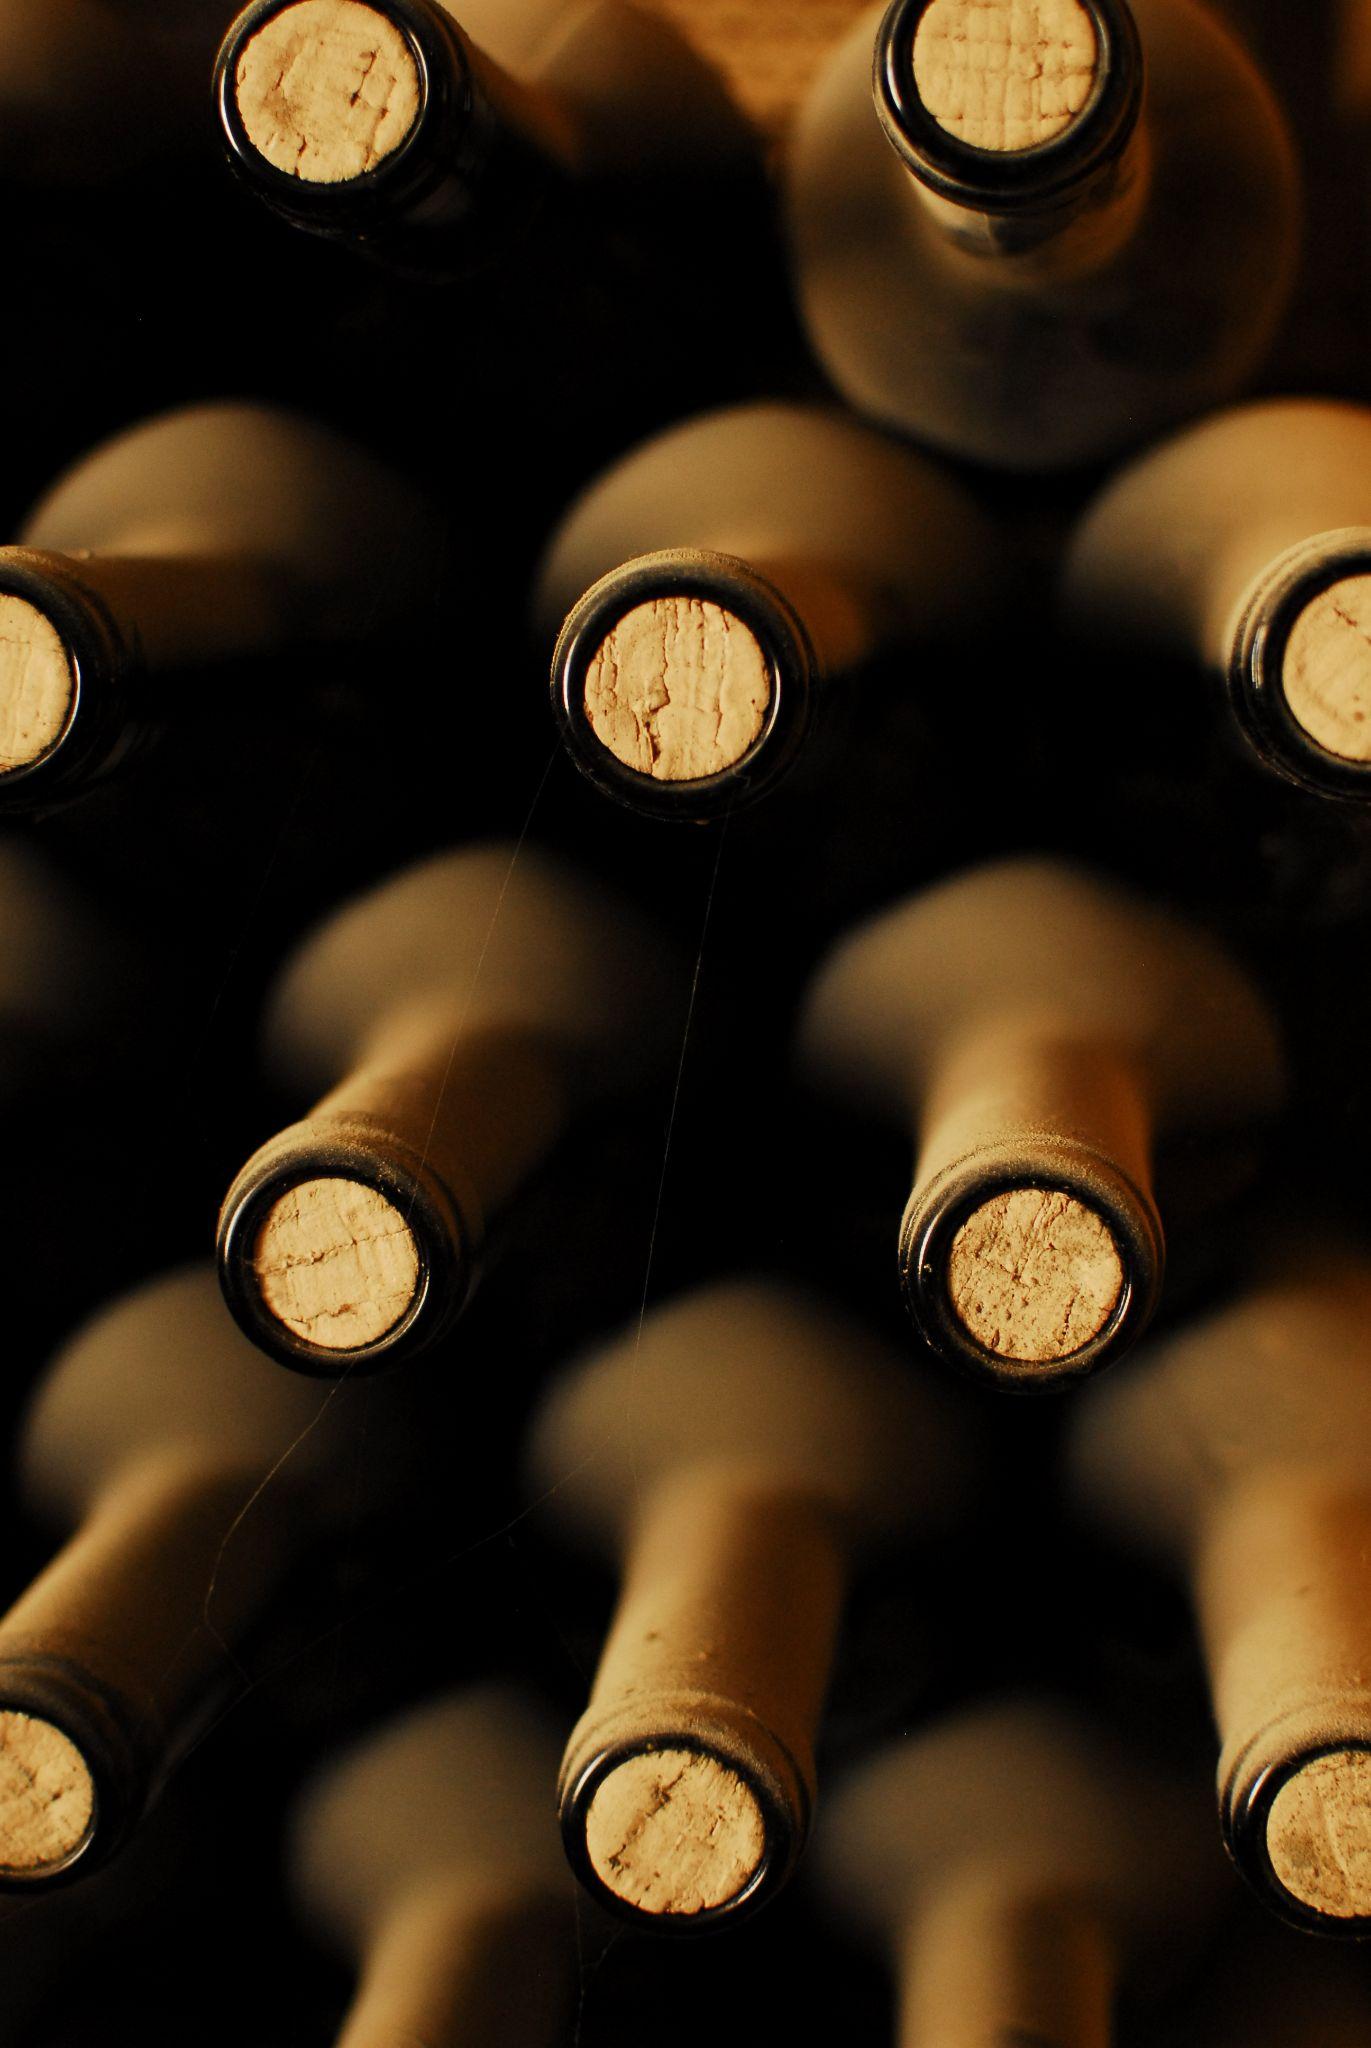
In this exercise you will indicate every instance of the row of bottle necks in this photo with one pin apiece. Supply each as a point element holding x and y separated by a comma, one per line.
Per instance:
<point>1048,1042</point>
<point>738,1457</point>
<point>1027,257</point>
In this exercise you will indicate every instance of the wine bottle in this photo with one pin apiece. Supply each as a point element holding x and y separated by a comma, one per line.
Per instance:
<point>429,1853</point>
<point>734,1452</point>
<point>1046,1034</point>
<point>452,1020</point>
<point>1236,1450</point>
<point>1242,548</point>
<point>707,598</point>
<point>193,1475</point>
<point>210,534</point>
<point>1018,1866</point>
<point>1020,255</point>
<point>431,135</point>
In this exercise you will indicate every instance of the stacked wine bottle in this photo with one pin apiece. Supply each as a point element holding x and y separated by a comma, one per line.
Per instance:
<point>685,726</point>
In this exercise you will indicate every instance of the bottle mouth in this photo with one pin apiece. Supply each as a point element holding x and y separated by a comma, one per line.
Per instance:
<point>65,682</point>
<point>1031,1280</point>
<point>1281,1834</point>
<point>684,685</point>
<point>329,151</point>
<point>340,1259</point>
<point>926,110</point>
<point>72,1778</point>
<point>1299,676</point>
<point>678,1834</point>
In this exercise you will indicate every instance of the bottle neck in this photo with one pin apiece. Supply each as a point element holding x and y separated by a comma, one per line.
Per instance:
<point>1006,1955</point>
<point>462,156</point>
<point>1028,157</point>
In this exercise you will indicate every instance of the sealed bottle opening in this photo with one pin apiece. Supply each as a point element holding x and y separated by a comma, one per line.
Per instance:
<point>1326,668</point>
<point>1009,106</point>
<point>1005,74</point>
<point>675,1833</point>
<point>47,1799</point>
<point>682,683</point>
<point>1318,1835</point>
<point>37,684</point>
<point>1034,1276</point>
<point>327,90</point>
<point>336,1264</point>
<point>678,689</point>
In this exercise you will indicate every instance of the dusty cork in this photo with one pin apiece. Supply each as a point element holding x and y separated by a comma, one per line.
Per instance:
<point>674,1832</point>
<point>679,690</point>
<point>1326,673</point>
<point>336,1263</point>
<point>1005,74</point>
<point>47,1796</point>
<point>36,683</point>
<point>1318,1834</point>
<point>327,89</point>
<point>1034,1275</point>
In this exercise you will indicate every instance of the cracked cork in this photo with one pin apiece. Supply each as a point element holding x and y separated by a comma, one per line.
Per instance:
<point>47,1796</point>
<point>336,1263</point>
<point>36,684</point>
<point>326,90</point>
<point>1005,74</point>
<point>1326,671</point>
<point>673,1832</point>
<point>679,689</point>
<point>1034,1275</point>
<point>1318,1834</point>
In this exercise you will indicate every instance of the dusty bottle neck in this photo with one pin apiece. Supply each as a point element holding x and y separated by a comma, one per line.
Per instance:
<point>1283,1591</point>
<point>474,158</point>
<point>465,1959</point>
<point>1031,1248</point>
<point>706,1700</point>
<point>1006,1956</point>
<point>126,1642</point>
<point>1023,217</point>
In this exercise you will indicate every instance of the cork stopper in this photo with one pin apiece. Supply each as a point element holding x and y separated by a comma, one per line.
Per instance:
<point>1005,74</point>
<point>1326,670</point>
<point>1318,1834</point>
<point>47,1797</point>
<point>1034,1275</point>
<point>37,683</point>
<point>673,1832</point>
<point>678,690</point>
<point>336,1263</point>
<point>326,90</point>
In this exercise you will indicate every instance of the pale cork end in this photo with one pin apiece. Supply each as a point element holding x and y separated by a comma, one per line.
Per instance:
<point>678,690</point>
<point>327,90</point>
<point>1318,1835</point>
<point>1326,670</point>
<point>47,1797</point>
<point>37,683</point>
<point>1034,1276</point>
<point>336,1263</point>
<point>674,1833</point>
<point>1005,74</point>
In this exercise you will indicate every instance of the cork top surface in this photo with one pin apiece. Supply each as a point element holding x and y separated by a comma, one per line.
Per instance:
<point>1326,672</point>
<point>673,1832</point>
<point>336,1263</point>
<point>36,683</point>
<point>1034,1275</point>
<point>1318,1834</point>
<point>47,1796</point>
<point>1005,74</point>
<point>326,90</point>
<point>678,690</point>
